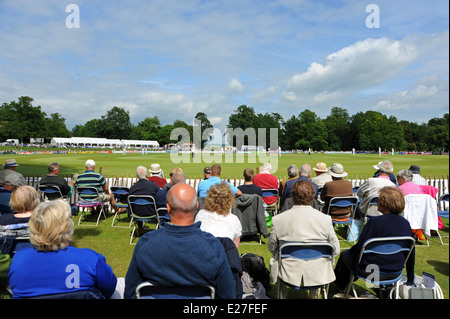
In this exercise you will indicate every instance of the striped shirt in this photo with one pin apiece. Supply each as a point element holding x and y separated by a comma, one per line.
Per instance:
<point>90,179</point>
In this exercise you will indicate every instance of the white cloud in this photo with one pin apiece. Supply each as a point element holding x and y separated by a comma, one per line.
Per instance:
<point>345,72</point>
<point>235,85</point>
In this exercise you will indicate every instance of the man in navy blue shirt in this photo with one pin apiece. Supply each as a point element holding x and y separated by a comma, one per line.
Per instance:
<point>180,253</point>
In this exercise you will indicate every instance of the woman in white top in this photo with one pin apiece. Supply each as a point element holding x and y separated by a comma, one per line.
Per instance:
<point>216,216</point>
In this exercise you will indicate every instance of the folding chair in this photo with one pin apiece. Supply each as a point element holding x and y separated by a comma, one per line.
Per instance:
<point>50,192</point>
<point>85,202</point>
<point>382,246</point>
<point>120,194</point>
<point>147,290</point>
<point>443,199</point>
<point>269,192</point>
<point>304,251</point>
<point>141,201</point>
<point>342,202</point>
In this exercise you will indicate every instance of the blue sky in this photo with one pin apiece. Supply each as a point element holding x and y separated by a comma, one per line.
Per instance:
<point>172,59</point>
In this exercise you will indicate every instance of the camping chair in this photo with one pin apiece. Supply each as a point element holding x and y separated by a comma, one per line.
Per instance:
<point>382,246</point>
<point>140,201</point>
<point>50,192</point>
<point>342,202</point>
<point>85,202</point>
<point>147,290</point>
<point>304,251</point>
<point>421,213</point>
<point>120,194</point>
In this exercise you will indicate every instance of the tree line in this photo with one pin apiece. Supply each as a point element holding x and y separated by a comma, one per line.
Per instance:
<point>339,131</point>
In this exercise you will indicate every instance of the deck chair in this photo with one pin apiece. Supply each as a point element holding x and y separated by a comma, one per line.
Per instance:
<point>50,192</point>
<point>341,202</point>
<point>382,246</point>
<point>120,194</point>
<point>421,213</point>
<point>85,202</point>
<point>136,202</point>
<point>147,290</point>
<point>305,251</point>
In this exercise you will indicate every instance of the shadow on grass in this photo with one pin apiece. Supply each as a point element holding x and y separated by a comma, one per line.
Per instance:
<point>439,266</point>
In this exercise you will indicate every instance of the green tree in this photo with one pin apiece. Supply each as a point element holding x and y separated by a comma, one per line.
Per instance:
<point>312,132</point>
<point>22,120</point>
<point>116,124</point>
<point>56,126</point>
<point>338,127</point>
<point>206,128</point>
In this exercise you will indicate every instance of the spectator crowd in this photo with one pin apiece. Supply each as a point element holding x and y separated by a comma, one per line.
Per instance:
<point>197,241</point>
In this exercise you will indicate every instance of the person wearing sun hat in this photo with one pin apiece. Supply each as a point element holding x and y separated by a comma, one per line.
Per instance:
<point>157,175</point>
<point>11,169</point>
<point>338,187</point>
<point>322,175</point>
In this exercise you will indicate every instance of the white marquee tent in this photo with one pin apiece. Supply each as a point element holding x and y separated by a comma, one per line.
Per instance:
<point>99,142</point>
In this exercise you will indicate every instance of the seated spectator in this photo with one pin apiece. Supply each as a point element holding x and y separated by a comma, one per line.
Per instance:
<point>305,175</point>
<point>216,217</point>
<point>322,175</point>
<point>157,176</point>
<point>23,201</point>
<point>57,267</point>
<point>266,180</point>
<point>338,187</point>
<point>417,179</point>
<point>302,223</point>
<point>10,168</point>
<point>207,172</point>
<point>377,173</point>
<point>204,185</point>
<point>372,186</point>
<point>143,187</point>
<point>391,204</point>
<point>186,255</point>
<point>405,183</point>
<point>292,172</point>
<point>248,187</point>
<point>53,179</point>
<point>172,171</point>
<point>90,178</point>
<point>9,185</point>
<point>161,195</point>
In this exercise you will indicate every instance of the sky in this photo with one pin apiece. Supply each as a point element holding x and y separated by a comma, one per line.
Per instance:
<point>173,59</point>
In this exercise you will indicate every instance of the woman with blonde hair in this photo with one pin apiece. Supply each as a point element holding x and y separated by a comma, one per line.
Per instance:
<point>54,268</point>
<point>23,201</point>
<point>216,217</point>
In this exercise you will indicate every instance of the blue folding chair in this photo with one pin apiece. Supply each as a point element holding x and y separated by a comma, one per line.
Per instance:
<point>342,202</point>
<point>304,251</point>
<point>382,246</point>
<point>50,192</point>
<point>443,213</point>
<point>269,192</point>
<point>147,290</point>
<point>120,194</point>
<point>140,202</point>
<point>88,200</point>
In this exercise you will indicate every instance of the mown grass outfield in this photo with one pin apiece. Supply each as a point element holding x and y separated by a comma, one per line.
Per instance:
<point>113,243</point>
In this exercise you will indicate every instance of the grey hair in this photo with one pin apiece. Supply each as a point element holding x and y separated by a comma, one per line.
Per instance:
<point>305,170</point>
<point>141,172</point>
<point>406,174</point>
<point>292,170</point>
<point>177,178</point>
